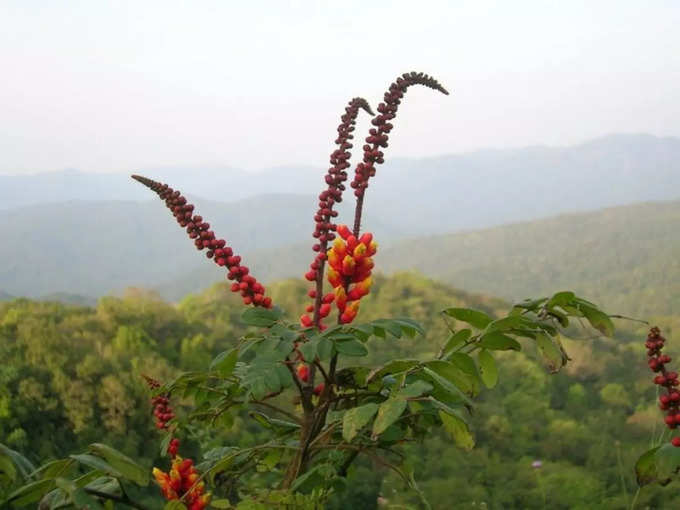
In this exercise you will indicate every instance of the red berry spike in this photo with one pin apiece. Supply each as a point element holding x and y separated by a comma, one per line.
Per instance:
<point>325,227</point>
<point>379,134</point>
<point>251,291</point>
<point>669,401</point>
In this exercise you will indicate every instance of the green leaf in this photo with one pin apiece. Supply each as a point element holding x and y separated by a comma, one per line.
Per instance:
<point>487,368</point>
<point>458,429</point>
<point>456,339</point>
<point>560,299</point>
<point>325,349</point>
<point>98,464</point>
<point>393,367</point>
<point>598,319</point>
<point>351,348</point>
<point>645,468</point>
<point>506,323</point>
<point>552,355</point>
<point>225,362</point>
<point>30,493</point>
<point>262,317</point>
<point>356,418</point>
<point>7,468</point>
<point>450,379</point>
<point>24,466</point>
<point>175,505</point>
<point>388,412</point>
<point>409,325</point>
<point>667,460</point>
<point>128,467</point>
<point>389,325</point>
<point>475,318</point>
<point>496,341</point>
<point>80,498</point>
<point>531,304</point>
<point>54,469</point>
<point>308,349</point>
<point>415,389</point>
<point>464,362</point>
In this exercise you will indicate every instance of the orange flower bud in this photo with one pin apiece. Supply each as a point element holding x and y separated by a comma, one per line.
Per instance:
<point>348,266</point>
<point>339,247</point>
<point>343,231</point>
<point>360,250</point>
<point>334,278</point>
<point>334,259</point>
<point>340,298</point>
<point>372,248</point>
<point>366,238</point>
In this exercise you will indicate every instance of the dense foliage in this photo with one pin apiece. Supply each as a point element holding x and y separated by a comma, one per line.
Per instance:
<point>587,425</point>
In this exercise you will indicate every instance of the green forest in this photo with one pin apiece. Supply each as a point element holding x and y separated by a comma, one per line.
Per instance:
<point>72,375</point>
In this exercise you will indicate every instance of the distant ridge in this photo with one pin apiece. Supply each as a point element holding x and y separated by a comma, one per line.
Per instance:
<point>97,246</point>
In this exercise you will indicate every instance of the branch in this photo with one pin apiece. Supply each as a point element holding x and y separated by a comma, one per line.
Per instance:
<point>279,410</point>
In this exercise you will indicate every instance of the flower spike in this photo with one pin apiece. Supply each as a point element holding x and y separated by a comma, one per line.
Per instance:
<point>378,135</point>
<point>250,289</point>
<point>325,228</point>
<point>669,401</point>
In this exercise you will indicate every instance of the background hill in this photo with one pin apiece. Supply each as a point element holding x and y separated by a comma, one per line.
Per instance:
<point>625,257</point>
<point>100,245</point>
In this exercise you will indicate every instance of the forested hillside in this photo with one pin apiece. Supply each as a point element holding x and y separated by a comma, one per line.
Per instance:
<point>627,257</point>
<point>72,375</point>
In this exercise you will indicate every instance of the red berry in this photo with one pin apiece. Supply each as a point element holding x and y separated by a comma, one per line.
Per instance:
<point>675,441</point>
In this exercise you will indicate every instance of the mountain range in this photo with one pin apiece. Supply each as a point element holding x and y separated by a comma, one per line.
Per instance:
<point>71,232</point>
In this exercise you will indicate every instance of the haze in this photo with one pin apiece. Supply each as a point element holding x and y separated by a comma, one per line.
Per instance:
<point>105,86</point>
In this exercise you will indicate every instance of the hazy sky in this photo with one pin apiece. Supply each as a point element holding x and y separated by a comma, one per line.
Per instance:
<point>116,86</point>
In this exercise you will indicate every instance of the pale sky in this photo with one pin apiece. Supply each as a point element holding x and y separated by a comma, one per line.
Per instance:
<point>117,86</point>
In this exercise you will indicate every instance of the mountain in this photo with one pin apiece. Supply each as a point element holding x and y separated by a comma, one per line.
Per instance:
<point>625,257</point>
<point>99,245</point>
<point>442,194</point>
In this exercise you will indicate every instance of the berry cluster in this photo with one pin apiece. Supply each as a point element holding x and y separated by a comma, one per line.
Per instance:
<point>335,178</point>
<point>669,401</point>
<point>182,483</point>
<point>250,289</point>
<point>350,270</point>
<point>378,135</point>
<point>161,405</point>
<point>163,413</point>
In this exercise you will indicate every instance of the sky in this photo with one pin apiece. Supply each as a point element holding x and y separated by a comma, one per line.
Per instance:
<point>117,86</point>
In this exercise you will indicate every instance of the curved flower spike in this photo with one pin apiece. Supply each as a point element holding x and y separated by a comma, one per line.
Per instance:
<point>250,289</point>
<point>325,227</point>
<point>378,135</point>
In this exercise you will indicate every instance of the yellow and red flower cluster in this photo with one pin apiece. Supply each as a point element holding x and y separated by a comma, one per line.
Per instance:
<point>180,483</point>
<point>350,268</point>
<point>349,273</point>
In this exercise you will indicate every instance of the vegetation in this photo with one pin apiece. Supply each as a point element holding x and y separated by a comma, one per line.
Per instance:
<point>309,400</point>
<point>65,366</point>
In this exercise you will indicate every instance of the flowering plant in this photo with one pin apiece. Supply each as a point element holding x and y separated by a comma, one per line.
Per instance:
<point>320,405</point>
